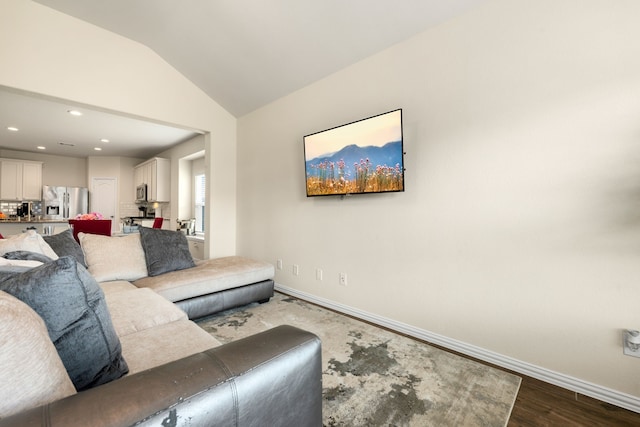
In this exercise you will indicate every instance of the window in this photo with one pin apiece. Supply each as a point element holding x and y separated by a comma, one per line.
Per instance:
<point>200,186</point>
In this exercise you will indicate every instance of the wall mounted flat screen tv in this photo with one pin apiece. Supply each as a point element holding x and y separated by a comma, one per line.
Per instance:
<point>365,156</point>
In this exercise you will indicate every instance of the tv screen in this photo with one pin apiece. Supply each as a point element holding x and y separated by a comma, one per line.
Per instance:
<point>365,156</point>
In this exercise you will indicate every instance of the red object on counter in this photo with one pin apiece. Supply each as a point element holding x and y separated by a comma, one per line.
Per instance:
<point>90,226</point>
<point>157,223</point>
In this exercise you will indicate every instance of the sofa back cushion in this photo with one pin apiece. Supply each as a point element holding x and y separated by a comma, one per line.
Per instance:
<point>75,312</point>
<point>31,372</point>
<point>114,258</point>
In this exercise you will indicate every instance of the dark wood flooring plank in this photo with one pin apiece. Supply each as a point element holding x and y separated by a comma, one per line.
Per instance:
<point>540,405</point>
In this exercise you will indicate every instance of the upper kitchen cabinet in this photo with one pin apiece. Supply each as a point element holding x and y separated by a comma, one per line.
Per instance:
<point>20,180</point>
<point>156,174</point>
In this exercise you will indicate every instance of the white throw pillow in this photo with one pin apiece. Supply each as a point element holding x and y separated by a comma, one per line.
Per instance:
<point>113,258</point>
<point>27,241</point>
<point>31,372</point>
<point>19,262</point>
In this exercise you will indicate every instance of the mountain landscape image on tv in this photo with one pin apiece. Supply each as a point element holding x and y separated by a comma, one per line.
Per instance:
<point>365,156</point>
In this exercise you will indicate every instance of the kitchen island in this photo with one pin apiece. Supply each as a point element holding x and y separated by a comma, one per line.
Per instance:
<point>12,226</point>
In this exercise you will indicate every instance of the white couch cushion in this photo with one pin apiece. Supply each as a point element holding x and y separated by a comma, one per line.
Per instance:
<point>139,309</point>
<point>116,286</point>
<point>113,258</point>
<point>208,276</point>
<point>163,344</point>
<point>31,372</point>
<point>19,262</point>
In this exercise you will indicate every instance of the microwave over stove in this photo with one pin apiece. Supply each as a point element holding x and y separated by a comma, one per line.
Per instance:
<point>141,193</point>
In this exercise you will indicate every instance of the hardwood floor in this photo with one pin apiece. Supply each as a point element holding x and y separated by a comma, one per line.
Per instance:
<point>540,404</point>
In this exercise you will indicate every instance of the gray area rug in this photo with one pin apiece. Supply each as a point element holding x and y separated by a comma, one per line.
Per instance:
<point>373,377</point>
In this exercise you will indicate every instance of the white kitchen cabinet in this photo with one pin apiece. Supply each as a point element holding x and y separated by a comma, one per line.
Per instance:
<point>32,181</point>
<point>10,180</point>
<point>156,174</point>
<point>138,177</point>
<point>20,180</point>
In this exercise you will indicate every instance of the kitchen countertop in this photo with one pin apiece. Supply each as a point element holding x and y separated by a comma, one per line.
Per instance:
<point>195,238</point>
<point>33,221</point>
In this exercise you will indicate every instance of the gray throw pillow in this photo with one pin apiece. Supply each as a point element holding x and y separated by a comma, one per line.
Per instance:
<point>165,250</point>
<point>7,271</point>
<point>64,244</point>
<point>73,307</point>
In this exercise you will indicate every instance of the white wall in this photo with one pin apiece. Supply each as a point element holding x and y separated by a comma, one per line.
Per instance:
<point>49,53</point>
<point>180,156</point>
<point>519,231</point>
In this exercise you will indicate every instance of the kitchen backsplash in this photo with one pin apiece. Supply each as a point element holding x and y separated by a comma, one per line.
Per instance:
<point>132,209</point>
<point>126,208</point>
<point>11,208</point>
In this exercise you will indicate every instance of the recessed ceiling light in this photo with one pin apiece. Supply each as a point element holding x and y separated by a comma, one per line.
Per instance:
<point>74,112</point>
<point>105,140</point>
<point>41,147</point>
<point>13,129</point>
<point>98,149</point>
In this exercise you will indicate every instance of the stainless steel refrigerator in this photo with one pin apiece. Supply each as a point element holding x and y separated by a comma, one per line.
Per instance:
<point>64,202</point>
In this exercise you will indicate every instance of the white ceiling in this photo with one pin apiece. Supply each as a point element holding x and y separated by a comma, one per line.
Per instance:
<point>247,53</point>
<point>46,122</point>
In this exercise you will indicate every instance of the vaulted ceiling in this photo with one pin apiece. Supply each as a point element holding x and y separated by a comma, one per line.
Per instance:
<point>247,53</point>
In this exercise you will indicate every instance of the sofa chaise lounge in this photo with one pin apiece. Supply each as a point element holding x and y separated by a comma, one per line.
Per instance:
<point>160,260</point>
<point>152,365</point>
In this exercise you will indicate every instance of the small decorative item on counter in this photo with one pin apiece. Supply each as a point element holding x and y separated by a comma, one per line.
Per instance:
<point>2,215</point>
<point>89,216</point>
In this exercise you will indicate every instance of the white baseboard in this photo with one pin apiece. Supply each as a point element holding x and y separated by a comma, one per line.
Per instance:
<point>595,391</point>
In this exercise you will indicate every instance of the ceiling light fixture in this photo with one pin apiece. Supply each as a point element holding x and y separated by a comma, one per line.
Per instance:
<point>74,112</point>
<point>105,140</point>
<point>41,147</point>
<point>97,148</point>
<point>13,129</point>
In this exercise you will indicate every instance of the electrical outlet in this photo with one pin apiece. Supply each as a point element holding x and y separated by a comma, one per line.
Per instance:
<point>343,279</point>
<point>279,264</point>
<point>296,269</point>
<point>318,274</point>
<point>631,342</point>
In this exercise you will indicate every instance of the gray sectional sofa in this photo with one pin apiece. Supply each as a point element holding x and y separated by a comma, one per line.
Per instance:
<point>102,346</point>
<point>160,260</point>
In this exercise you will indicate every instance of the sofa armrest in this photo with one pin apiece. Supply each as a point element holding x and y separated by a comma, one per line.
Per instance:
<point>272,378</point>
